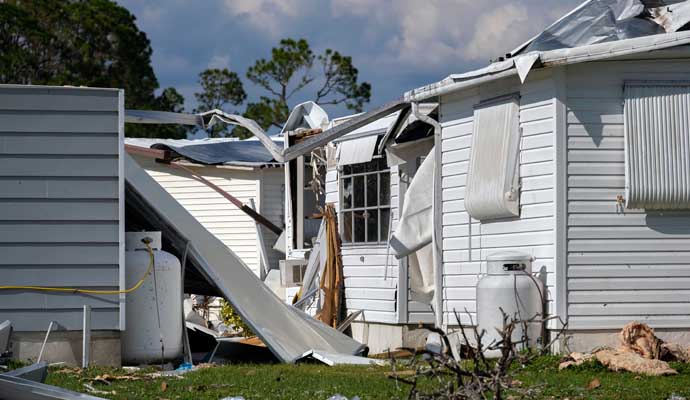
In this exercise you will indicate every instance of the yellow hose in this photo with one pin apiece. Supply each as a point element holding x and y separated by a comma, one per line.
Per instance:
<point>90,291</point>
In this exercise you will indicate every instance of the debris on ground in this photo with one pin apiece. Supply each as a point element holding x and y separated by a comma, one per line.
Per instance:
<point>341,397</point>
<point>595,383</point>
<point>640,352</point>
<point>93,390</point>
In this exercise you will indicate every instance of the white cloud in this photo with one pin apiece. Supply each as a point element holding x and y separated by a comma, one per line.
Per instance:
<point>268,16</point>
<point>499,31</point>
<point>442,32</point>
<point>219,61</point>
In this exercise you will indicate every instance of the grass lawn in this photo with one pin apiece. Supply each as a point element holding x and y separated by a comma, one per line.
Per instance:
<point>542,380</point>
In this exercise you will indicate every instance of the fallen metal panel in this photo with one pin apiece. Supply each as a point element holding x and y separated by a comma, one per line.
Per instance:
<point>35,372</point>
<point>331,359</point>
<point>286,331</point>
<point>13,388</point>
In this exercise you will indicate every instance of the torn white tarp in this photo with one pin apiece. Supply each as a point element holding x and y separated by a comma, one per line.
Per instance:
<point>286,331</point>
<point>356,151</point>
<point>414,233</point>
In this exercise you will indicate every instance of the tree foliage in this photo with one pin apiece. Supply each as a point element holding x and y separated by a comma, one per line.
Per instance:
<point>82,43</point>
<point>289,73</point>
<point>221,88</point>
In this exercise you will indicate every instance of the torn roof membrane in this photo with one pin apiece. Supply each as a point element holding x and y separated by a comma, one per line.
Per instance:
<point>596,30</point>
<point>217,151</point>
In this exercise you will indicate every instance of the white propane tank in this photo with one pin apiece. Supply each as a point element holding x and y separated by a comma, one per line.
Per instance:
<point>141,340</point>
<point>508,286</point>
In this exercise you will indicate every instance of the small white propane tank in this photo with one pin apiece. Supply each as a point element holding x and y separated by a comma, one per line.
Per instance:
<point>141,340</point>
<point>509,286</point>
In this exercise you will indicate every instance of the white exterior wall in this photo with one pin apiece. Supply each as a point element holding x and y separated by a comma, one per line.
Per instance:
<point>271,204</point>
<point>622,266</point>
<point>366,286</point>
<point>232,226</point>
<point>465,245</point>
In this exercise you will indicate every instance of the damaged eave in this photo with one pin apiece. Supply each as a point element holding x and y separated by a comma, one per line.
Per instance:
<point>552,58</point>
<point>337,131</point>
<point>280,155</point>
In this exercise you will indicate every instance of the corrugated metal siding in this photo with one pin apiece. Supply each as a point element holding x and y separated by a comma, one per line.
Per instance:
<point>467,241</point>
<point>232,226</point>
<point>623,265</point>
<point>657,137</point>
<point>366,285</point>
<point>59,204</point>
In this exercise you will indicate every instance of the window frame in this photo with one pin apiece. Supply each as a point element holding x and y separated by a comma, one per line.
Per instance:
<point>379,207</point>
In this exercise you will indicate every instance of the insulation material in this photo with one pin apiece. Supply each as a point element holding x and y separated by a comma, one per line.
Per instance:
<point>492,182</point>
<point>286,331</point>
<point>640,352</point>
<point>413,234</point>
<point>357,151</point>
<point>657,145</point>
<point>596,21</point>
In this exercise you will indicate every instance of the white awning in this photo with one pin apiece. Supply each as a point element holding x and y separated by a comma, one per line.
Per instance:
<point>357,151</point>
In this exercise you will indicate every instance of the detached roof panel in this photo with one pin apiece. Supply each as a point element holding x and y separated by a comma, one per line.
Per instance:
<point>214,151</point>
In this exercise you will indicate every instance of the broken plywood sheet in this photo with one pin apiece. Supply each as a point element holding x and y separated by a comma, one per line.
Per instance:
<point>288,332</point>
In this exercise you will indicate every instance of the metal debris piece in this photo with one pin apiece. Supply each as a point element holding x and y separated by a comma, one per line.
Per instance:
<point>286,331</point>
<point>13,388</point>
<point>34,372</point>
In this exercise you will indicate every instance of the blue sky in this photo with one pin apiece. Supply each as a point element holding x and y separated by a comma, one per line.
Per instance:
<point>396,45</point>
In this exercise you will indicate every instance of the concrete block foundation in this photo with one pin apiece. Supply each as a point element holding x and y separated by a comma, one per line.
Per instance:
<point>66,346</point>
<point>383,337</point>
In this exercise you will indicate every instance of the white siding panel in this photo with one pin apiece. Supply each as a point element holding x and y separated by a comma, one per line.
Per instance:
<point>232,226</point>
<point>532,232</point>
<point>623,264</point>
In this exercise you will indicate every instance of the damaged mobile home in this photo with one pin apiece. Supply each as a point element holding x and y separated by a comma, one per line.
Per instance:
<point>70,194</point>
<point>569,154</point>
<point>243,168</point>
<point>567,157</point>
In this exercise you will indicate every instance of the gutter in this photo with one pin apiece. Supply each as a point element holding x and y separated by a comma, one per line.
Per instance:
<point>553,58</point>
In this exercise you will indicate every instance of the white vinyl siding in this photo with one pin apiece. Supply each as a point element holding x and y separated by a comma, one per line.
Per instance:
<point>220,217</point>
<point>467,241</point>
<point>369,285</point>
<point>657,144</point>
<point>623,264</point>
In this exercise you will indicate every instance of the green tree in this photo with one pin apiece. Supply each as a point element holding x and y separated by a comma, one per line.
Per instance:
<point>221,88</point>
<point>82,43</point>
<point>291,71</point>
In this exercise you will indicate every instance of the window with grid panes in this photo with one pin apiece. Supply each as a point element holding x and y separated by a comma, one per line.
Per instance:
<point>365,202</point>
